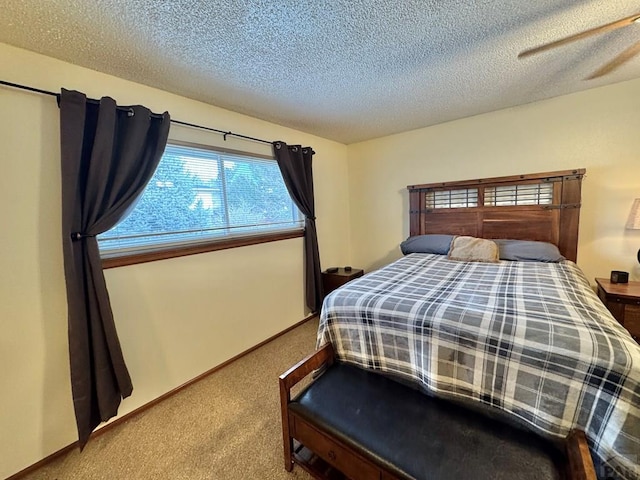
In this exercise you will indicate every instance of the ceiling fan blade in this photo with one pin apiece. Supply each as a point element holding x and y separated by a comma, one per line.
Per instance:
<point>587,33</point>
<point>619,60</point>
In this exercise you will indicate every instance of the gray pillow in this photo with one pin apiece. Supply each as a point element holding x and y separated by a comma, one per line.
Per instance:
<point>432,243</point>
<point>529,251</point>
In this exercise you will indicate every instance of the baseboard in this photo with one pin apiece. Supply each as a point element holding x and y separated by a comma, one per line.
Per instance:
<point>146,406</point>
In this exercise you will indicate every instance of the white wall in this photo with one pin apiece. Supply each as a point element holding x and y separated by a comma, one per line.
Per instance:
<point>597,129</point>
<point>176,318</point>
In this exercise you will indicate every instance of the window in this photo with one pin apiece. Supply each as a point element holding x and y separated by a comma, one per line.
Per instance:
<point>525,194</point>
<point>199,195</point>
<point>460,198</point>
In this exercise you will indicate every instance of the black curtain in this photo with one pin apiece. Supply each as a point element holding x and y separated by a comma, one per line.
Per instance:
<point>109,153</point>
<point>295,164</point>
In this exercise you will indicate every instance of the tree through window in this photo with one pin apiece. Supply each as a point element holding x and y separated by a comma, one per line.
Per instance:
<point>199,195</point>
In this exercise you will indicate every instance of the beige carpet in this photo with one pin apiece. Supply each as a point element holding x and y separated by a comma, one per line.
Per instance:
<point>225,427</point>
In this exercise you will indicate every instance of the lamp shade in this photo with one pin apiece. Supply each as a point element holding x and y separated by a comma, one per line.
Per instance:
<point>633,222</point>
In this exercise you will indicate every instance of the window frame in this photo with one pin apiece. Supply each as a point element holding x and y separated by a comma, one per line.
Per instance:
<point>204,246</point>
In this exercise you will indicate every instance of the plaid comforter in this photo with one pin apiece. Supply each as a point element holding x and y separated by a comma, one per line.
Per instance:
<point>532,339</point>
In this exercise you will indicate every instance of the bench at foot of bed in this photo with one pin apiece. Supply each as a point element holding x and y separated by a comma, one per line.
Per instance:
<point>354,424</point>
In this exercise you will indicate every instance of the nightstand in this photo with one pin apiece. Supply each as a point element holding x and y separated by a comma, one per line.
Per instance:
<point>333,280</point>
<point>623,301</point>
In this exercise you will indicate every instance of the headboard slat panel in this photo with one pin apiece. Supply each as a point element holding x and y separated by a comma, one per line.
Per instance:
<point>555,223</point>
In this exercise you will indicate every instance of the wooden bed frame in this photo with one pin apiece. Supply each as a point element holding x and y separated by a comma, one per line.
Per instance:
<point>555,221</point>
<point>471,207</point>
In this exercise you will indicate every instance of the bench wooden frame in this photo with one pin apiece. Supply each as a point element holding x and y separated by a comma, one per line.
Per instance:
<point>325,457</point>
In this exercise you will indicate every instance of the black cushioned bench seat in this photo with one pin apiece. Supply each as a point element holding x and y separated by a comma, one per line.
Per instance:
<point>417,436</point>
<point>367,426</point>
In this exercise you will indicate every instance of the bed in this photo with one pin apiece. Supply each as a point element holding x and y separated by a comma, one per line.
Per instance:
<point>527,338</point>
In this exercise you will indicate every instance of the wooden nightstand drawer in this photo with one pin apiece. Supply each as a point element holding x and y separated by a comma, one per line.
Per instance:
<point>632,320</point>
<point>352,465</point>
<point>623,301</point>
<point>333,280</point>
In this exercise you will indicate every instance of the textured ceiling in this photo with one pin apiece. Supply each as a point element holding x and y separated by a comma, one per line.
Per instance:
<point>347,70</point>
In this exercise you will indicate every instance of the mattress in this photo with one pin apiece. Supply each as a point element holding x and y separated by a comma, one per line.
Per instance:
<point>529,338</point>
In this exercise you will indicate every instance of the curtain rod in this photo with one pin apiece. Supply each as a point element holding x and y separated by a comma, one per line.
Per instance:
<point>224,133</point>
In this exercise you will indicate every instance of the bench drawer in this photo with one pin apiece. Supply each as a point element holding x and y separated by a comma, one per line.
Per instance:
<point>352,465</point>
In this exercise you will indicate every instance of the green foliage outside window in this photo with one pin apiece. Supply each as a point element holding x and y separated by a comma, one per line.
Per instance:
<point>199,195</point>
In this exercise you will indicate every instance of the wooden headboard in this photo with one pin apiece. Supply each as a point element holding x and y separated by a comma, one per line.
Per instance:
<point>539,206</point>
